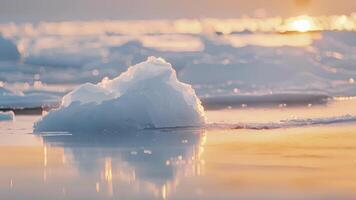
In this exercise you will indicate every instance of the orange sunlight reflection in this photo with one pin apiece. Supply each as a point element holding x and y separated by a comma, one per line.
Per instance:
<point>303,24</point>
<point>137,28</point>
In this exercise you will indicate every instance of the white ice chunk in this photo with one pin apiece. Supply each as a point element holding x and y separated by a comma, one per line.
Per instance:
<point>7,116</point>
<point>87,93</point>
<point>147,95</point>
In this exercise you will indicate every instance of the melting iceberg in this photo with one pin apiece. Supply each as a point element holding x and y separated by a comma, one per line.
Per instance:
<point>147,95</point>
<point>7,116</point>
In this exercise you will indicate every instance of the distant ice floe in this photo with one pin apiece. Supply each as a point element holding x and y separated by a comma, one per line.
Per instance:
<point>224,63</point>
<point>147,95</point>
<point>264,100</point>
<point>287,123</point>
<point>291,123</point>
<point>29,99</point>
<point>7,116</point>
<point>8,50</point>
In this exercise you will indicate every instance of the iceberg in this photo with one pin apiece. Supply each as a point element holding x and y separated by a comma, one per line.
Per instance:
<point>147,96</point>
<point>28,99</point>
<point>7,116</point>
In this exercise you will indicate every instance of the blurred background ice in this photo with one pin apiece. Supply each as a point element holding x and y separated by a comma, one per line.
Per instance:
<point>251,57</point>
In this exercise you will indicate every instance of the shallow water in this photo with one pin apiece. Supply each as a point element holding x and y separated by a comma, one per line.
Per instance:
<point>312,162</point>
<point>247,114</point>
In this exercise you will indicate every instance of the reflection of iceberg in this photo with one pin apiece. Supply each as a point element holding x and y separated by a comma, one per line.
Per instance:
<point>150,162</point>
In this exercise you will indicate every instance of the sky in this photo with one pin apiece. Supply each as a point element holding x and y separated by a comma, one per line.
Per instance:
<point>59,10</point>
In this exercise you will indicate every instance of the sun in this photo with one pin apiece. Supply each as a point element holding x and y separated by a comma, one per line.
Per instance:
<point>302,24</point>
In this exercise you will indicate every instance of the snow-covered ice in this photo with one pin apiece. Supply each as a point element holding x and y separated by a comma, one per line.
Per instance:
<point>7,116</point>
<point>147,95</point>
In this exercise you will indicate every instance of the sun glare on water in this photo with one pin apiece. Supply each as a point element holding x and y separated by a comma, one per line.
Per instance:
<point>302,24</point>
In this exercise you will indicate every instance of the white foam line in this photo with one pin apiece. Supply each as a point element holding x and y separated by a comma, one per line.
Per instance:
<point>285,123</point>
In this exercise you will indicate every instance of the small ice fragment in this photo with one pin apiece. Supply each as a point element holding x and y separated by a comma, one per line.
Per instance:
<point>36,77</point>
<point>95,72</point>
<point>37,84</point>
<point>147,151</point>
<point>184,141</point>
<point>7,116</point>
<point>282,105</point>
